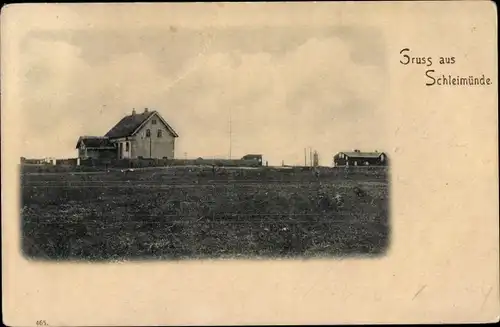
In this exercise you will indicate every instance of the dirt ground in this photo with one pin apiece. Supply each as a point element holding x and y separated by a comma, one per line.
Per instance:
<point>187,213</point>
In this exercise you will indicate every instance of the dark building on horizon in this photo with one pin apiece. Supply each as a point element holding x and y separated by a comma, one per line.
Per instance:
<point>358,158</point>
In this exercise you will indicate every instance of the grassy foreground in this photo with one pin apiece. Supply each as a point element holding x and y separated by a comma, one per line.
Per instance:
<point>181,213</point>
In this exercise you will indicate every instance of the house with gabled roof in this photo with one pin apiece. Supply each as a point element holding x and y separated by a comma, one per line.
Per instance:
<point>358,158</point>
<point>145,135</point>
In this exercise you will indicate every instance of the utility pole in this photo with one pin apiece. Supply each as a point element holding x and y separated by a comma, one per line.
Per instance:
<point>305,157</point>
<point>310,157</point>
<point>316,159</point>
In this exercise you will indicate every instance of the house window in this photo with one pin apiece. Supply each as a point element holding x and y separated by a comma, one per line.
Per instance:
<point>127,146</point>
<point>148,133</point>
<point>159,133</point>
<point>153,121</point>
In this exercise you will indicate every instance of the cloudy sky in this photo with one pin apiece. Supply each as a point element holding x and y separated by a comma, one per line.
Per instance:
<point>286,88</point>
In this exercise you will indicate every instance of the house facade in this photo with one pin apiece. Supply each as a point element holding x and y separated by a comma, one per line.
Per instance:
<point>358,158</point>
<point>137,135</point>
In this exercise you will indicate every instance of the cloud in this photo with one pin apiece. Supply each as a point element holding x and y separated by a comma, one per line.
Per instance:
<point>314,94</point>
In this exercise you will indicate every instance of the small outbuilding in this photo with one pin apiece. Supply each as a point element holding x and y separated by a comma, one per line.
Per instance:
<point>95,147</point>
<point>137,135</point>
<point>358,158</point>
<point>256,157</point>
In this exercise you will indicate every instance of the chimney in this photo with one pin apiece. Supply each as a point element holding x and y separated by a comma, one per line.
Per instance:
<point>133,111</point>
<point>146,109</point>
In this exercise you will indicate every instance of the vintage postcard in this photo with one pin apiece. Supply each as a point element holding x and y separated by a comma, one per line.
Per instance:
<point>249,163</point>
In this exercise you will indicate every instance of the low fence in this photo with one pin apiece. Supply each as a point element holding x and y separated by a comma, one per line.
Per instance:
<point>263,173</point>
<point>49,168</point>
<point>75,164</point>
<point>143,163</point>
<point>352,170</point>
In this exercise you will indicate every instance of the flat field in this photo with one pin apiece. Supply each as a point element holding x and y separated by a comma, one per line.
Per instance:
<point>191,212</point>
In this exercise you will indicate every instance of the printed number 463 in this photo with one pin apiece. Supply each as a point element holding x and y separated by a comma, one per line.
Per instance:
<point>41,323</point>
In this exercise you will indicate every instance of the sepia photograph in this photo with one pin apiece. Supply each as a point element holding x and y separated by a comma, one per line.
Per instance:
<point>172,151</point>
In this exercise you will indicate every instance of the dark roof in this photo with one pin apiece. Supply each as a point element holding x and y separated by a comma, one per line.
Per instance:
<point>94,142</point>
<point>362,154</point>
<point>129,124</point>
